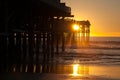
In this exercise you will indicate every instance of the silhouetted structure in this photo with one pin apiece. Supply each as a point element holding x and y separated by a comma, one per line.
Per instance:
<point>30,29</point>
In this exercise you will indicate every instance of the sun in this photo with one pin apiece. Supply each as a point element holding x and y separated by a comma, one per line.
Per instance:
<point>76,27</point>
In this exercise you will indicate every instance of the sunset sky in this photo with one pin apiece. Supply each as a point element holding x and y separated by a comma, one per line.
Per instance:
<point>104,15</point>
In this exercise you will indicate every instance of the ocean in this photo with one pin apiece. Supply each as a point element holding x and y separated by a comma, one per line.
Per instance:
<point>101,62</point>
<point>105,39</point>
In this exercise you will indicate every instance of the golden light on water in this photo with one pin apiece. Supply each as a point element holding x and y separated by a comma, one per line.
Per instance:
<point>75,69</point>
<point>80,70</point>
<point>76,27</point>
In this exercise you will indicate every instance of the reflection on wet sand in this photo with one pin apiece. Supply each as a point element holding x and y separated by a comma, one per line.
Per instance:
<point>74,69</point>
<point>81,70</point>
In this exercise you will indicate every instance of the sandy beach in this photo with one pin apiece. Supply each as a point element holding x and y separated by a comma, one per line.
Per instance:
<point>47,76</point>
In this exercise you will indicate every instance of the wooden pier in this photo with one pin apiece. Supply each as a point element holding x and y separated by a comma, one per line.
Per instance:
<point>33,31</point>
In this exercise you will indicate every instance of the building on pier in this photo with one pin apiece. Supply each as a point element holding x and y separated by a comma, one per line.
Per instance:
<point>33,28</point>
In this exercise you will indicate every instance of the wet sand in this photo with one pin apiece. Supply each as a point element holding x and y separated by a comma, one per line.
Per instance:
<point>85,72</point>
<point>48,76</point>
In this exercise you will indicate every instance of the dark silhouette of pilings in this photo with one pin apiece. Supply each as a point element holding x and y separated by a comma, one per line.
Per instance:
<point>29,36</point>
<point>81,37</point>
<point>21,50</point>
<point>85,32</point>
<point>24,51</point>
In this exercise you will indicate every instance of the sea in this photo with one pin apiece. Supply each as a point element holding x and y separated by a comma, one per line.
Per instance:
<point>99,61</point>
<point>105,39</point>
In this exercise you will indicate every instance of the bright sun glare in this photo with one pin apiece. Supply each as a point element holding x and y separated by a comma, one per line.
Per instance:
<point>76,27</point>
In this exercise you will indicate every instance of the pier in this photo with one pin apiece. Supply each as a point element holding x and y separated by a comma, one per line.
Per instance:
<point>32,32</point>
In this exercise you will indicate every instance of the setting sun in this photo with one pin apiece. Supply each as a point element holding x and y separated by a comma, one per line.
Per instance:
<point>76,27</point>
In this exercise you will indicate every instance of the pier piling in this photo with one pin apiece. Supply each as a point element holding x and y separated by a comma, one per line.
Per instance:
<point>35,32</point>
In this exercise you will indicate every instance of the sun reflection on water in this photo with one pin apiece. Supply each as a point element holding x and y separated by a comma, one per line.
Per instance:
<point>75,69</point>
<point>80,70</point>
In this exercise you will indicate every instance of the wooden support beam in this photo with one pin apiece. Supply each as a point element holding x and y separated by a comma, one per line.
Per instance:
<point>48,46</point>
<point>31,52</point>
<point>11,54</point>
<point>57,43</point>
<point>38,38</point>
<point>52,44</point>
<point>18,51</point>
<point>24,54</point>
<point>63,41</point>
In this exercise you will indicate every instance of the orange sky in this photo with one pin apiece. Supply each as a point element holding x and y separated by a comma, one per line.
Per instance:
<point>104,15</point>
